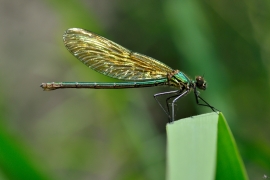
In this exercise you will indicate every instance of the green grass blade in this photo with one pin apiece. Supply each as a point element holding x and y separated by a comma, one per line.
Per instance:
<point>16,160</point>
<point>202,147</point>
<point>229,161</point>
<point>191,148</point>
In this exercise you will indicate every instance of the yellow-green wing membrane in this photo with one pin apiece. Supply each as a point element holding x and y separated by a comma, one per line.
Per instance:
<point>111,59</point>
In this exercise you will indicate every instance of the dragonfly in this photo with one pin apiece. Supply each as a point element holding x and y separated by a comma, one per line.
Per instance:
<point>137,70</point>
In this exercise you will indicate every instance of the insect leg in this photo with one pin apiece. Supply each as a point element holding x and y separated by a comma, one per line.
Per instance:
<point>165,93</point>
<point>173,102</point>
<point>197,97</point>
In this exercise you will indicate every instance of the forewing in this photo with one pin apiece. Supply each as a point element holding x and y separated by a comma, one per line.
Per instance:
<point>111,59</point>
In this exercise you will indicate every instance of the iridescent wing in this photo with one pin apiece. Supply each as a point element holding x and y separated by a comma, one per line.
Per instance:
<point>111,59</point>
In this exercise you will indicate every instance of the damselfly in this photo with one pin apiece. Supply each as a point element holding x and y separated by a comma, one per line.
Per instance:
<point>113,60</point>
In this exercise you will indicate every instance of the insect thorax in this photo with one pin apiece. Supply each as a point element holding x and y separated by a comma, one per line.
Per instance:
<point>179,80</point>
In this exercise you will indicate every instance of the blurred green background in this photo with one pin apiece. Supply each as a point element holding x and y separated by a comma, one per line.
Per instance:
<point>120,134</point>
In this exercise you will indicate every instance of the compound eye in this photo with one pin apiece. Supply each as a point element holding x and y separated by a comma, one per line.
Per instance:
<point>200,83</point>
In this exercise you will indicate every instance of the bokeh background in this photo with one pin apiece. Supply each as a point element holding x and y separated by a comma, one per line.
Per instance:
<point>120,134</point>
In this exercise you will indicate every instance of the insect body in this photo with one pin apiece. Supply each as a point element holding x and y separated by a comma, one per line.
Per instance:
<point>113,60</point>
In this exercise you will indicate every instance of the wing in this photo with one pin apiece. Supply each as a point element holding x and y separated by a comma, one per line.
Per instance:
<point>111,59</point>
